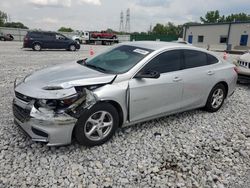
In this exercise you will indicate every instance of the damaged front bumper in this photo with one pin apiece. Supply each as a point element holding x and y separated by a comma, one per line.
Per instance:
<point>43,126</point>
<point>54,127</point>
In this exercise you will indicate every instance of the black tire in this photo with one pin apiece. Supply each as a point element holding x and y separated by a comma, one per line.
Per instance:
<point>2,39</point>
<point>72,47</point>
<point>212,106</point>
<point>84,124</point>
<point>37,47</point>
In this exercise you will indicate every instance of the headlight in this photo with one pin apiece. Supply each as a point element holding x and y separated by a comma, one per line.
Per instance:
<point>69,100</point>
<point>57,104</point>
<point>46,103</point>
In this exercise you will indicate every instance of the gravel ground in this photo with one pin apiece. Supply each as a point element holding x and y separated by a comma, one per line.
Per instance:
<point>191,149</point>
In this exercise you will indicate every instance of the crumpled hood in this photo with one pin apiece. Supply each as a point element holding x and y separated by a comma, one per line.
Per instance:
<point>65,76</point>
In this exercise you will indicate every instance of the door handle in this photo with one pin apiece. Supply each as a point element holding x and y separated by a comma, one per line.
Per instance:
<point>210,72</point>
<point>177,79</point>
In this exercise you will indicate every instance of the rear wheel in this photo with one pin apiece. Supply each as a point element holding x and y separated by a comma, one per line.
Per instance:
<point>97,125</point>
<point>216,98</point>
<point>37,47</point>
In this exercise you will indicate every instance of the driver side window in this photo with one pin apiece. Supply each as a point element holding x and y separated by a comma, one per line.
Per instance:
<point>165,62</point>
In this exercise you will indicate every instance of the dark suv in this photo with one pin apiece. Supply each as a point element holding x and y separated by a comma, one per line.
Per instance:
<point>38,40</point>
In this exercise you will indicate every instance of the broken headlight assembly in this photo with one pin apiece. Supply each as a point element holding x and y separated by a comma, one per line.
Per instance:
<point>57,105</point>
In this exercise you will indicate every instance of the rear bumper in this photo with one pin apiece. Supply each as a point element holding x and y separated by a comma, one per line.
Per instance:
<point>26,45</point>
<point>53,130</point>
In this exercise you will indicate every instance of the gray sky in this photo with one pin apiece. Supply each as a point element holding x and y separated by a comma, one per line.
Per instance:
<point>103,14</point>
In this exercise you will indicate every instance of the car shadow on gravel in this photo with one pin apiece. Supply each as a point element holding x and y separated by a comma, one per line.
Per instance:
<point>244,84</point>
<point>47,50</point>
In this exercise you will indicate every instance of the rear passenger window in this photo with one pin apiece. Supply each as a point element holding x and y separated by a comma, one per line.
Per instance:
<point>211,59</point>
<point>194,59</point>
<point>35,35</point>
<point>49,35</point>
<point>166,62</point>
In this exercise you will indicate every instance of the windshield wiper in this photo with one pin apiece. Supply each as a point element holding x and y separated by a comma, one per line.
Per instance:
<point>96,67</point>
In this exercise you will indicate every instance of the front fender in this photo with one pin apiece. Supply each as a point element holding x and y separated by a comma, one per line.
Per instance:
<point>118,93</point>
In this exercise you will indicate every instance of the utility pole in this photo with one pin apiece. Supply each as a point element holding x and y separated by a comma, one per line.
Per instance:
<point>121,29</point>
<point>127,26</point>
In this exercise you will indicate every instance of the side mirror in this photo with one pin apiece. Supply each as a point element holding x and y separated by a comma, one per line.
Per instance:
<point>82,61</point>
<point>148,74</point>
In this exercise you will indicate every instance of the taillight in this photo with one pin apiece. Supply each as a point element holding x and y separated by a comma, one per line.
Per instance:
<point>26,38</point>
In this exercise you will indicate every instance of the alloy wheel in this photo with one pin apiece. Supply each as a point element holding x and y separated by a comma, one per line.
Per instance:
<point>217,98</point>
<point>98,125</point>
<point>37,47</point>
<point>72,48</point>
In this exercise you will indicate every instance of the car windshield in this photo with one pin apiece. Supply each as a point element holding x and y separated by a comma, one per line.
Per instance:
<point>118,60</point>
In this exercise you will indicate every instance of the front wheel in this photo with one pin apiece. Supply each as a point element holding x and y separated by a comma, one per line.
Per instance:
<point>72,47</point>
<point>97,125</point>
<point>216,98</point>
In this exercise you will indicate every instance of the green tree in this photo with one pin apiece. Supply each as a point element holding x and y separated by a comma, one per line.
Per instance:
<point>173,30</point>
<point>109,30</point>
<point>15,25</point>
<point>159,29</point>
<point>168,29</point>
<point>211,17</point>
<point>3,18</point>
<point>214,17</point>
<point>238,17</point>
<point>65,29</point>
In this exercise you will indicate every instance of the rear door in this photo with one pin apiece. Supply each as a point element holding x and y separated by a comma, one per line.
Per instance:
<point>199,76</point>
<point>150,97</point>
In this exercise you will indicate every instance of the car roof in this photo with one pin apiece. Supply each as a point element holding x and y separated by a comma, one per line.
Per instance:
<point>157,45</point>
<point>42,32</point>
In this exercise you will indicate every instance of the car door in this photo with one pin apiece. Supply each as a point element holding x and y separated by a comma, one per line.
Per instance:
<point>198,78</point>
<point>61,42</point>
<point>154,96</point>
<point>48,40</point>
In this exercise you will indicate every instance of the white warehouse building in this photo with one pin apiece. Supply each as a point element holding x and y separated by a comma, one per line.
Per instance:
<point>219,36</point>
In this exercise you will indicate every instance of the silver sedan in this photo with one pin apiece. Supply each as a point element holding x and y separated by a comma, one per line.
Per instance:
<point>129,83</point>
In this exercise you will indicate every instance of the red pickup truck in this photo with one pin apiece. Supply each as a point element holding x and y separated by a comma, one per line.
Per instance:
<point>103,34</point>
